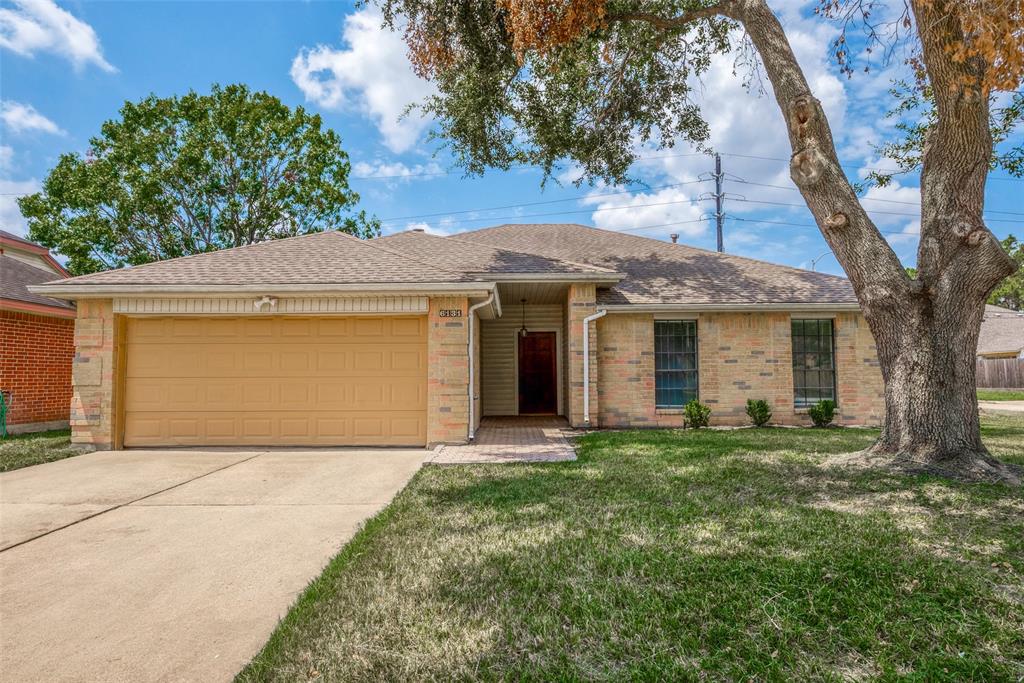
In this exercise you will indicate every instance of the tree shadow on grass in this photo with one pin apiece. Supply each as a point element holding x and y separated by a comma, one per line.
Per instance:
<point>738,566</point>
<point>671,557</point>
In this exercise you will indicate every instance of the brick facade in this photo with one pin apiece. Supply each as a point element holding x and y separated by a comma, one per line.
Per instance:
<point>740,356</point>
<point>35,368</point>
<point>447,372</point>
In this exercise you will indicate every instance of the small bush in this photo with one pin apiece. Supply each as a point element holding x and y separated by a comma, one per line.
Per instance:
<point>697,414</point>
<point>759,412</point>
<point>822,413</point>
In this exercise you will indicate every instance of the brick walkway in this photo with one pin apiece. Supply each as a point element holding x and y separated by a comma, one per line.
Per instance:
<point>512,439</point>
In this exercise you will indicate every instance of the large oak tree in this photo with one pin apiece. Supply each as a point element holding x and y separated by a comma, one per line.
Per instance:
<point>541,81</point>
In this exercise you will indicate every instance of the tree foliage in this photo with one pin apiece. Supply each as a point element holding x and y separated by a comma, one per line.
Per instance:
<point>522,81</point>
<point>914,114</point>
<point>1010,292</point>
<point>185,175</point>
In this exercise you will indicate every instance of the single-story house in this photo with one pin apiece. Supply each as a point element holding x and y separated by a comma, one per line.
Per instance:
<point>37,334</point>
<point>409,339</point>
<point>1002,333</point>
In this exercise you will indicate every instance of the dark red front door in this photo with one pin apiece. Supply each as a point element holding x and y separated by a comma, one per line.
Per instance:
<point>538,383</point>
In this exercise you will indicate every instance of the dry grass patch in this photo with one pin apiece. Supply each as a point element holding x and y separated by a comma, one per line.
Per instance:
<point>22,450</point>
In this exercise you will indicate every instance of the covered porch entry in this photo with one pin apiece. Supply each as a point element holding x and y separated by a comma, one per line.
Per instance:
<point>524,353</point>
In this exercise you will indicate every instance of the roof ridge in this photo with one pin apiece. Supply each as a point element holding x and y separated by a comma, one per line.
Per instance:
<point>187,257</point>
<point>556,259</point>
<point>369,243</point>
<point>619,233</point>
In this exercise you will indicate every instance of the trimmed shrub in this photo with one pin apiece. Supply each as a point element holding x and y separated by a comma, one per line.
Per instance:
<point>697,414</point>
<point>759,412</point>
<point>822,413</point>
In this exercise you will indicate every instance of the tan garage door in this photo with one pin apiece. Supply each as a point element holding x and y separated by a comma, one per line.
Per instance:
<point>276,381</point>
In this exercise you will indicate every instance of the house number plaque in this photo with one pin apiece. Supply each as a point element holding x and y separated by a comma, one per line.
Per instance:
<point>450,313</point>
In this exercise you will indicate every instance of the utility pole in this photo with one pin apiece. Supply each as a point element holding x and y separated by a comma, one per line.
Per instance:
<point>719,196</point>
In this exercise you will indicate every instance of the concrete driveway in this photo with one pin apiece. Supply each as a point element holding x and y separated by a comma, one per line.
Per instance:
<point>171,565</point>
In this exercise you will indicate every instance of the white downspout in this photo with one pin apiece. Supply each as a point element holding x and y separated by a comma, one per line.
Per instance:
<point>472,398</point>
<point>586,362</point>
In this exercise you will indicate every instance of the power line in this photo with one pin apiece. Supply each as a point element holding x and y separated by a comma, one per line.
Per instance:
<point>549,201</point>
<point>811,225</point>
<point>887,213</point>
<point>510,168</point>
<point>857,166</point>
<point>863,199</point>
<point>566,213</point>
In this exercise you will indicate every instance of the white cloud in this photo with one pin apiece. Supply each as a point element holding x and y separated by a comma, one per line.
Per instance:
<point>370,74</point>
<point>909,235</point>
<point>32,26</point>
<point>396,170</point>
<point>636,210</point>
<point>20,118</point>
<point>10,215</point>
<point>885,204</point>
<point>6,158</point>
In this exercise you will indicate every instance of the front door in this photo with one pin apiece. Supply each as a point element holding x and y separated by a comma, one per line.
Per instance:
<point>538,374</point>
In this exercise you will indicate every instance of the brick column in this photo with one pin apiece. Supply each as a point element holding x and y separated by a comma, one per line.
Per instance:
<point>447,372</point>
<point>94,375</point>
<point>580,303</point>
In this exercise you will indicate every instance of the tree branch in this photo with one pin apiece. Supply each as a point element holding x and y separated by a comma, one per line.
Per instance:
<point>676,22</point>
<point>874,269</point>
<point>955,159</point>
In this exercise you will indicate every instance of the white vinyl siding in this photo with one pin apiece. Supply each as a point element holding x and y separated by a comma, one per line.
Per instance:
<point>498,354</point>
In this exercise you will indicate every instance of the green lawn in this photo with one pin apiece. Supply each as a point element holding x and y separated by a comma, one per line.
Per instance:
<point>1000,395</point>
<point>669,555</point>
<point>22,450</point>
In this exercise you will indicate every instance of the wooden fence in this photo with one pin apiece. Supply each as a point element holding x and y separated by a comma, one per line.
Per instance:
<point>1000,373</point>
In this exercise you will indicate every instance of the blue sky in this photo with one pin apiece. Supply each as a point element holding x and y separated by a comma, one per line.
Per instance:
<point>67,67</point>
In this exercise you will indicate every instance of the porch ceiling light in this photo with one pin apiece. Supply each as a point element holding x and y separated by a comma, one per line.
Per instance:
<point>522,330</point>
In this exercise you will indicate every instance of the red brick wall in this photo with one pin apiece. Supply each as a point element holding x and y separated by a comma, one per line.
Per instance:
<point>35,366</point>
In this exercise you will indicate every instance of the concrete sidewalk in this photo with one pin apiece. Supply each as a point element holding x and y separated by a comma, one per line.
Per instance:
<point>1008,407</point>
<point>171,565</point>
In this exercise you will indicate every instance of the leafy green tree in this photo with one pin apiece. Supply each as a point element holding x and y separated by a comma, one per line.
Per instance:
<point>1010,292</point>
<point>594,81</point>
<point>185,175</point>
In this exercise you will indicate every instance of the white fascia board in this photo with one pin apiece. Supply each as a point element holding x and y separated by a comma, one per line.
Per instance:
<point>101,291</point>
<point>596,278</point>
<point>726,308</point>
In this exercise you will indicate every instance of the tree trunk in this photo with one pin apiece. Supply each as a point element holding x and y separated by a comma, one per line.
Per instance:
<point>931,409</point>
<point>926,329</point>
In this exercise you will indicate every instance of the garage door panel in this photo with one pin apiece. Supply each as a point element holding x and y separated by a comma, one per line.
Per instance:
<point>276,380</point>
<point>395,428</point>
<point>280,360</point>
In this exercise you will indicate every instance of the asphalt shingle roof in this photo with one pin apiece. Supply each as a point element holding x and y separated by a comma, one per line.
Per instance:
<point>1002,330</point>
<point>473,257</point>
<point>662,273</point>
<point>320,258</point>
<point>655,272</point>
<point>16,275</point>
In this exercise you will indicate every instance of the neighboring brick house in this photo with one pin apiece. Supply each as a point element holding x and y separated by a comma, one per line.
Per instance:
<point>36,339</point>
<point>409,339</point>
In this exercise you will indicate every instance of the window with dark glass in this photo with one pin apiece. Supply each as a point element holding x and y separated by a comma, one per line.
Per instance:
<point>675,362</point>
<point>814,367</point>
